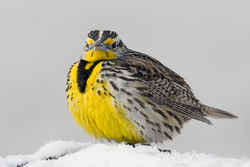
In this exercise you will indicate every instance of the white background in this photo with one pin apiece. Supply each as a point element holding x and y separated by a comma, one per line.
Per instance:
<point>207,42</point>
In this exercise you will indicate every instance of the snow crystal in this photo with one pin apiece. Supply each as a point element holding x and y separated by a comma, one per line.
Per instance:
<point>66,154</point>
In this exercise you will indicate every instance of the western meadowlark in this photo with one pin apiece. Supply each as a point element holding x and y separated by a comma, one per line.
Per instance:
<point>120,94</point>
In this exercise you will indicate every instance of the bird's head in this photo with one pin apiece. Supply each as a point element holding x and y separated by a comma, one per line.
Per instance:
<point>103,45</point>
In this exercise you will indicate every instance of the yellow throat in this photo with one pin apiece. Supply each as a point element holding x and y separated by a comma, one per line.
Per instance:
<point>92,105</point>
<point>95,55</point>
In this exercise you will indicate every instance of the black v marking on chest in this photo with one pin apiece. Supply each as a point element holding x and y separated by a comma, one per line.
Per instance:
<point>83,74</point>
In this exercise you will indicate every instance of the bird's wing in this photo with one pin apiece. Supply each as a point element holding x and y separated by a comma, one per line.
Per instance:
<point>168,73</point>
<point>161,85</point>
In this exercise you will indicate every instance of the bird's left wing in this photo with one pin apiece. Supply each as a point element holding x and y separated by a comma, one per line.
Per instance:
<point>160,88</point>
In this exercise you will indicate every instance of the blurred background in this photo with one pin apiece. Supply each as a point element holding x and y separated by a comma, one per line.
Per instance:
<point>207,42</point>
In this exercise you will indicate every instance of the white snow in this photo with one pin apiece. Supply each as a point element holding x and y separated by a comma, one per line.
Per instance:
<point>71,154</point>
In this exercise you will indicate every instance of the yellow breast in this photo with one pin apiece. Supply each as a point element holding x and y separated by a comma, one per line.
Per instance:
<point>95,109</point>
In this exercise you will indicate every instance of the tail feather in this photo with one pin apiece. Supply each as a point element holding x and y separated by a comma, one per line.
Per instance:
<point>217,113</point>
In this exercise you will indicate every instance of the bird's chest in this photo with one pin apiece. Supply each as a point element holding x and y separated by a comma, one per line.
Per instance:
<point>95,107</point>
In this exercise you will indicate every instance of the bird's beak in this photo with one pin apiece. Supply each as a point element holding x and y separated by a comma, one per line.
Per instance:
<point>99,51</point>
<point>99,46</point>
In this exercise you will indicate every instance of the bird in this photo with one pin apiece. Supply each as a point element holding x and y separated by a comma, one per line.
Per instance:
<point>119,94</point>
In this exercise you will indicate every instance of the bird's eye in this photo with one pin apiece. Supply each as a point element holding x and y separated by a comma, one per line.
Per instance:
<point>120,44</point>
<point>87,45</point>
<point>114,45</point>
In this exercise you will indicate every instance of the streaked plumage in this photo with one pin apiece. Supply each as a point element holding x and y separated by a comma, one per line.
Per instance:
<point>128,96</point>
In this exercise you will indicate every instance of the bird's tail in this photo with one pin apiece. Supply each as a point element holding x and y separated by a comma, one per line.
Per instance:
<point>217,113</point>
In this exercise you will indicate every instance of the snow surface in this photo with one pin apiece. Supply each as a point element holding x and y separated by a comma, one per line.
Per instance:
<point>71,154</point>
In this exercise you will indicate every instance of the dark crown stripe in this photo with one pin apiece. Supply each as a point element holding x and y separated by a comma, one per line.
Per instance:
<point>83,74</point>
<point>108,34</point>
<point>94,34</point>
